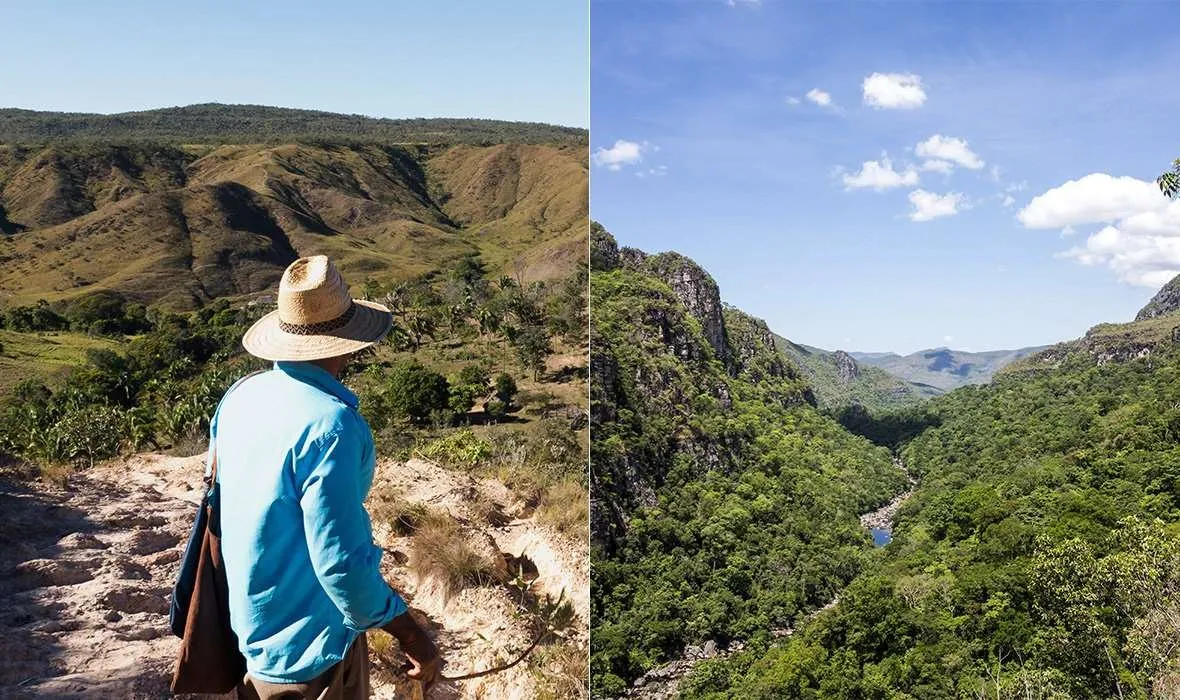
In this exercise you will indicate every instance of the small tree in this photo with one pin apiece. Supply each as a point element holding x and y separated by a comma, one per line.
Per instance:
<point>531,343</point>
<point>416,392</point>
<point>470,384</point>
<point>505,388</point>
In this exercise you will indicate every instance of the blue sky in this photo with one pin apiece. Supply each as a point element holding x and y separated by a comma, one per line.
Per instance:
<point>1008,201</point>
<point>526,60</point>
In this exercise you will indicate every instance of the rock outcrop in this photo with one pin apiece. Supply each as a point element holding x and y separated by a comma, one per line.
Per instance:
<point>846,366</point>
<point>697,290</point>
<point>1165,302</point>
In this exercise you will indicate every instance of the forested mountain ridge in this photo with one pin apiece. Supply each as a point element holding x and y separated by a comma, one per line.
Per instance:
<point>1039,555</point>
<point>222,123</point>
<point>724,503</point>
<point>182,225</point>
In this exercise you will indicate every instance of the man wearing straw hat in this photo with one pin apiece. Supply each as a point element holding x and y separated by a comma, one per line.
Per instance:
<point>295,462</point>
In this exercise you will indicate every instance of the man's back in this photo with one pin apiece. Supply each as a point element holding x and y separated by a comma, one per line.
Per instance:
<point>295,461</point>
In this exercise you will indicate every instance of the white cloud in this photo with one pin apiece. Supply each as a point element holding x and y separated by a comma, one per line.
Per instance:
<point>995,173</point>
<point>929,205</point>
<point>948,148</point>
<point>819,97</point>
<point>948,338</point>
<point>938,166</point>
<point>1142,249</point>
<point>1008,201</point>
<point>656,171</point>
<point>621,154</point>
<point>1095,198</point>
<point>1017,186</point>
<point>1140,241</point>
<point>749,3</point>
<point>880,175</point>
<point>792,100</point>
<point>894,91</point>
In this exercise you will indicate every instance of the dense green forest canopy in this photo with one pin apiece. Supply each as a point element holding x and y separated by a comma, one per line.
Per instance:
<point>748,516</point>
<point>219,123</point>
<point>1040,556</point>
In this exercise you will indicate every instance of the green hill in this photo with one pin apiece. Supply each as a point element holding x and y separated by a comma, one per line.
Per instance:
<point>183,225</point>
<point>724,503</point>
<point>840,380</point>
<point>220,123</point>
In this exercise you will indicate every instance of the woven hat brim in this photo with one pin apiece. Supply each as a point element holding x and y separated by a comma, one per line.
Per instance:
<point>368,325</point>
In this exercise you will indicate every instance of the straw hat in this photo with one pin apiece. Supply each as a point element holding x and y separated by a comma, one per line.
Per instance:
<point>317,317</point>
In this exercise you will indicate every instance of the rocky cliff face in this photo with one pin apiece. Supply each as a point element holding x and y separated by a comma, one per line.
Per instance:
<point>695,288</point>
<point>1165,302</point>
<point>846,366</point>
<point>659,328</point>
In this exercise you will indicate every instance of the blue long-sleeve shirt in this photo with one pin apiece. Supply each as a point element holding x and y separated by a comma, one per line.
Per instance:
<point>295,461</point>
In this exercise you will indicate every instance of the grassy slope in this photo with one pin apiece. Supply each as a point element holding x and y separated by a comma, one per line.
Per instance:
<point>180,226</point>
<point>43,355</point>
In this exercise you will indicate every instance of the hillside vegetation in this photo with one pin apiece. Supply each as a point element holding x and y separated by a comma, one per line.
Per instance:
<point>1039,556</point>
<point>724,503</point>
<point>181,226</point>
<point>220,123</point>
<point>840,381</point>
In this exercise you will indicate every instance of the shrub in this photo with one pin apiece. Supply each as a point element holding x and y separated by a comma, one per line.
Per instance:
<point>416,392</point>
<point>496,408</point>
<point>461,448</point>
<point>469,384</point>
<point>87,434</point>
<point>505,388</point>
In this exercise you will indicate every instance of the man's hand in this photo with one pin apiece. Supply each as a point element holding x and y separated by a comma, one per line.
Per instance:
<point>417,646</point>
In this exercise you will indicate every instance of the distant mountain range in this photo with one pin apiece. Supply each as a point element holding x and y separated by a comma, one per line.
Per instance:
<point>943,368</point>
<point>839,380</point>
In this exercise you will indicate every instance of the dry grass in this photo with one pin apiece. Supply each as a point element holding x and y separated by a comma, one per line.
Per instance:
<point>404,517</point>
<point>442,552</point>
<point>562,672</point>
<point>566,508</point>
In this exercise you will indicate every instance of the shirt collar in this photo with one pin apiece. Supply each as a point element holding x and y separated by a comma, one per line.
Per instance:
<point>320,378</point>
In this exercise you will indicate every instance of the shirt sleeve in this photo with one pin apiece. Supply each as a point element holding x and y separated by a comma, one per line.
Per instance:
<point>339,536</point>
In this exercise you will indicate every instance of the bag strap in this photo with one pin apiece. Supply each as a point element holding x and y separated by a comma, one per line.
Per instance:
<point>212,478</point>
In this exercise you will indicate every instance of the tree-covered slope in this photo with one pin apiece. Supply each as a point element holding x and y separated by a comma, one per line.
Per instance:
<point>1039,557</point>
<point>220,123</point>
<point>724,503</point>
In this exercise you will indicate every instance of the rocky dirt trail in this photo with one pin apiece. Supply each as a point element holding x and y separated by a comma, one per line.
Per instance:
<point>86,574</point>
